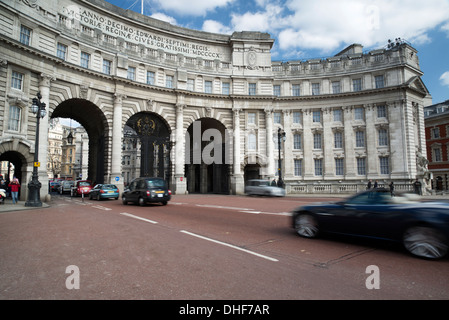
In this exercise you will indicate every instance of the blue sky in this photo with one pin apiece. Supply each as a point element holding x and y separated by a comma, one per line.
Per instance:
<point>305,29</point>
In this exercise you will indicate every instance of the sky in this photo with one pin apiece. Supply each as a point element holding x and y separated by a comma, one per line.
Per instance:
<point>308,29</point>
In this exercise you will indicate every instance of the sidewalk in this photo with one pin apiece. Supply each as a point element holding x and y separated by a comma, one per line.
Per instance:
<point>20,205</point>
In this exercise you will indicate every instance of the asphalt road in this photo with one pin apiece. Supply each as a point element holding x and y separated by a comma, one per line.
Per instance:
<point>198,247</point>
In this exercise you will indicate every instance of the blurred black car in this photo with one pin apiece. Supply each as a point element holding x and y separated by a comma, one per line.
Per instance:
<point>422,227</point>
<point>144,190</point>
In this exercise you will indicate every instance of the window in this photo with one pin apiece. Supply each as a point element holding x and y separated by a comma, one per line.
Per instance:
<point>315,89</point>
<point>359,113</point>
<point>336,87</point>
<point>252,142</point>
<point>277,117</point>
<point>191,84</point>
<point>338,140</point>
<point>435,133</point>
<point>317,141</point>
<point>356,84</point>
<point>107,66</point>
<point>296,117</point>
<point>318,167</point>
<point>61,51</point>
<point>339,168</point>
<point>252,89</point>
<point>225,88</point>
<point>131,73</point>
<point>277,90</point>
<point>208,86</point>
<point>17,80</point>
<point>298,167</point>
<point>337,113</point>
<point>381,111</point>
<point>14,118</point>
<point>297,141</point>
<point>384,165</point>
<point>150,77</point>
<point>437,154</point>
<point>316,116</point>
<point>361,166</point>
<point>379,80</point>
<point>25,35</point>
<point>251,118</point>
<point>360,139</point>
<point>85,57</point>
<point>296,90</point>
<point>169,81</point>
<point>383,137</point>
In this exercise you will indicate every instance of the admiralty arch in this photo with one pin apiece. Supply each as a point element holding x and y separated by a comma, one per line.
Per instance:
<point>322,125</point>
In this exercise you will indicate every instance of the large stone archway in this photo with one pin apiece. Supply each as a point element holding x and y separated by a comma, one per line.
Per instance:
<point>207,162</point>
<point>152,133</point>
<point>95,123</point>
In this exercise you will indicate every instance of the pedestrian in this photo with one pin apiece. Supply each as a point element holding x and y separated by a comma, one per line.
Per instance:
<point>417,186</point>
<point>369,184</point>
<point>15,186</point>
<point>375,184</point>
<point>392,188</point>
<point>273,183</point>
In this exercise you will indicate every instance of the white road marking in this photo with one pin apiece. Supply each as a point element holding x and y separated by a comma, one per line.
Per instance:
<point>139,218</point>
<point>101,208</point>
<point>230,245</point>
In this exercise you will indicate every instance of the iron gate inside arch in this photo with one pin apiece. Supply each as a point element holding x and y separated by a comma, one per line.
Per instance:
<point>149,133</point>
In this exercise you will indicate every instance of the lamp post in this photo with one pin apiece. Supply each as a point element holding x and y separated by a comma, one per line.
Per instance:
<point>34,199</point>
<point>281,136</point>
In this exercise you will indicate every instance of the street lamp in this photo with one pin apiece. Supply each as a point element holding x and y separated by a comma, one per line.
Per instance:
<point>281,136</point>
<point>34,199</point>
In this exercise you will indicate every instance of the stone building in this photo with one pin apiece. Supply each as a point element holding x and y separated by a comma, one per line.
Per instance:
<point>187,95</point>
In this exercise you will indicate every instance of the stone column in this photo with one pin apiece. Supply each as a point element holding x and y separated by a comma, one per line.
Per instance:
<point>180,179</point>
<point>237,181</point>
<point>288,146</point>
<point>44,88</point>
<point>371,142</point>
<point>309,172</point>
<point>328,145</point>
<point>270,147</point>
<point>117,135</point>
<point>349,144</point>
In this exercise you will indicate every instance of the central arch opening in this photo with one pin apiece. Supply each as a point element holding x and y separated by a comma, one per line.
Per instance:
<point>207,168</point>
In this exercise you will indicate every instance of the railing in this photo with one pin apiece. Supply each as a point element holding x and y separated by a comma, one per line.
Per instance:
<point>340,188</point>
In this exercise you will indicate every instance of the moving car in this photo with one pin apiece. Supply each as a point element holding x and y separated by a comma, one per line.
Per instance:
<point>144,190</point>
<point>81,187</point>
<point>66,186</point>
<point>104,191</point>
<point>422,227</point>
<point>263,188</point>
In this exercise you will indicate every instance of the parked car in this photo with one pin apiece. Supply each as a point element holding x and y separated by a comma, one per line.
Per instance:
<point>104,191</point>
<point>66,186</point>
<point>422,227</point>
<point>54,186</point>
<point>81,187</point>
<point>263,188</point>
<point>144,190</point>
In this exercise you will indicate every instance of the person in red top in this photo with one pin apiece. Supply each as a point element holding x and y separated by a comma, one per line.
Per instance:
<point>14,185</point>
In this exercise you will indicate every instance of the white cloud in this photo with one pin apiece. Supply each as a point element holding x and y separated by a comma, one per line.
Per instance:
<point>268,20</point>
<point>191,7</point>
<point>164,17</point>
<point>327,24</point>
<point>444,79</point>
<point>216,27</point>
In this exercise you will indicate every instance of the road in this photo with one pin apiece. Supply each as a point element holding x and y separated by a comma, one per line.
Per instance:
<point>198,247</point>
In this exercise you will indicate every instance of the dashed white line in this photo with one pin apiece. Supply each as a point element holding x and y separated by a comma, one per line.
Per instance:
<point>137,217</point>
<point>230,245</point>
